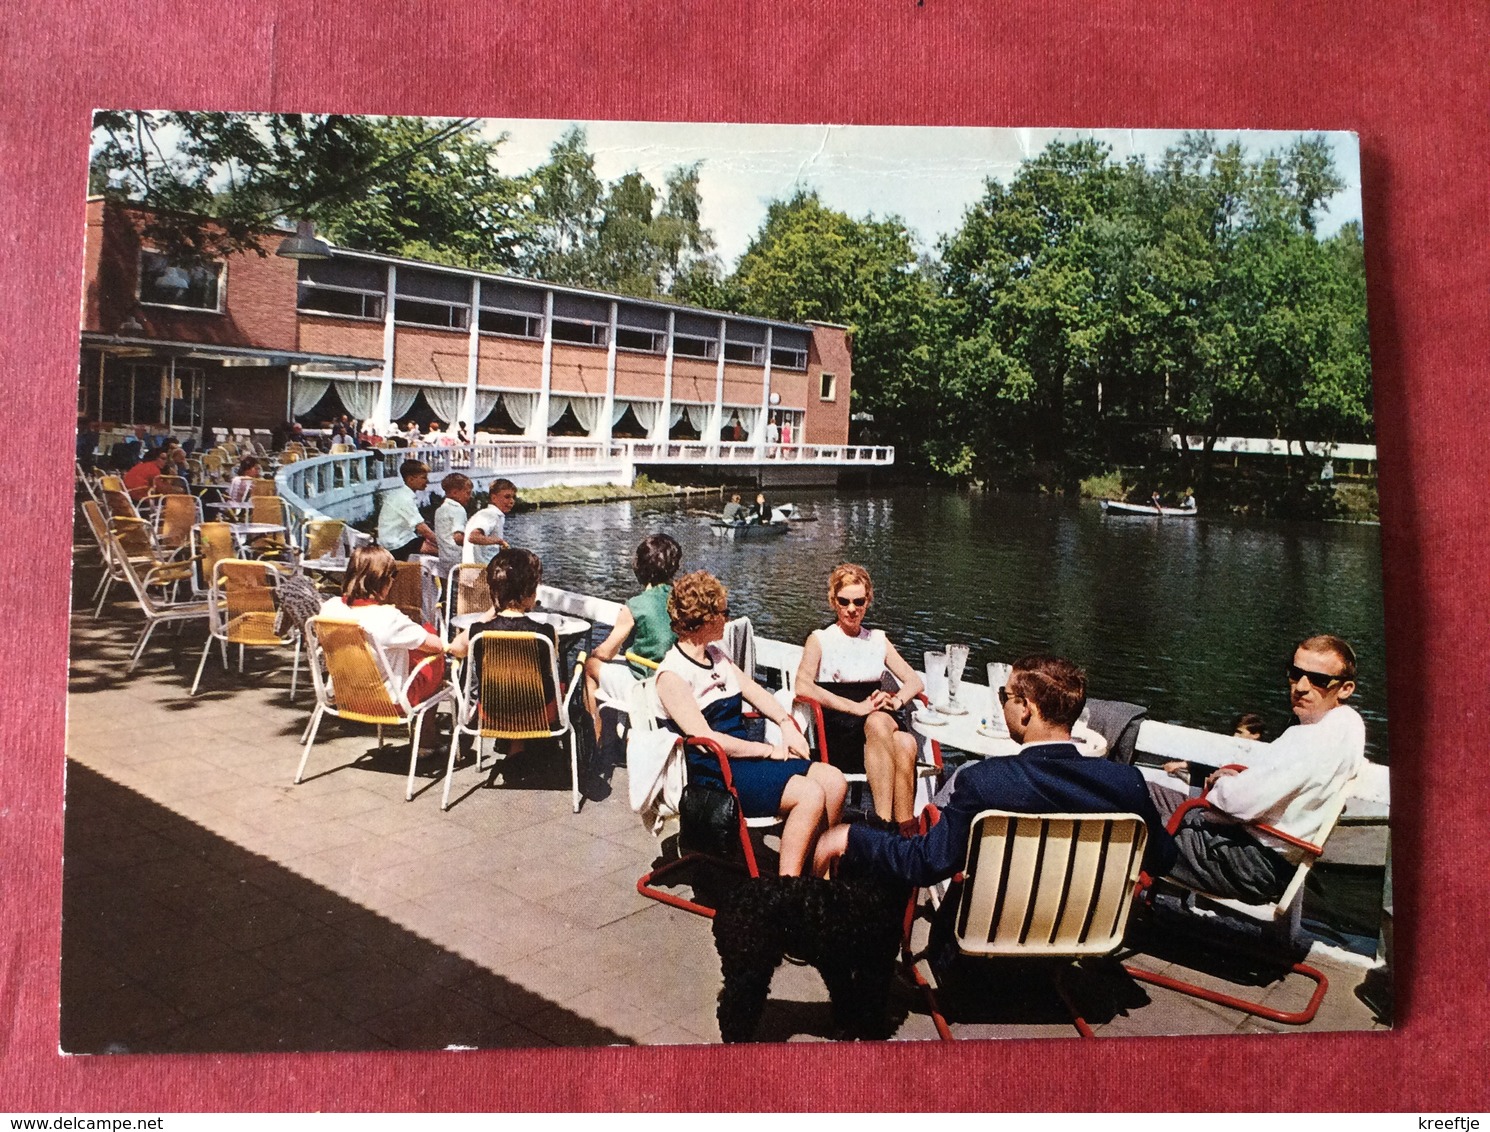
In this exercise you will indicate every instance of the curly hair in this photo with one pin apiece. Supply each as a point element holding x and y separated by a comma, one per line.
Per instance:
<point>656,560</point>
<point>849,574</point>
<point>370,571</point>
<point>697,599</point>
<point>1054,685</point>
<point>513,577</point>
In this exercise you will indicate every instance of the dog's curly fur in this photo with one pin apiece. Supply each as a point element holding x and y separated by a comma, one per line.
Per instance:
<point>848,929</point>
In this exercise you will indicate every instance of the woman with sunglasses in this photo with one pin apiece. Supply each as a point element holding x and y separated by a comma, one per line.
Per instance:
<point>843,669</point>
<point>703,694</point>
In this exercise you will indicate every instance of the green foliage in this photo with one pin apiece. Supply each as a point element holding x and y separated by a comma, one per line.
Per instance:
<point>1105,485</point>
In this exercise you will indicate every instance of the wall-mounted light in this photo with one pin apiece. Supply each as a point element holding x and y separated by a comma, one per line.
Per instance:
<point>775,398</point>
<point>131,326</point>
<point>303,244</point>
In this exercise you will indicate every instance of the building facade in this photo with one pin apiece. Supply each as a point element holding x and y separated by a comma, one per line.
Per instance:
<point>255,340</point>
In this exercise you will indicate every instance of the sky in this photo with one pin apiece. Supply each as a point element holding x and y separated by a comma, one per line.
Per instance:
<point>926,175</point>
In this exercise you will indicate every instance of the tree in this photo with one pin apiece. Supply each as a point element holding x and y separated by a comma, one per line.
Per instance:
<point>565,210</point>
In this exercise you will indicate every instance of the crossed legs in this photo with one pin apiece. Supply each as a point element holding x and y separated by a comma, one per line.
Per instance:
<point>890,767</point>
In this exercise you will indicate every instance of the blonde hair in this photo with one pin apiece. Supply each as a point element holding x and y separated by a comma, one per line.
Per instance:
<point>696,599</point>
<point>849,574</point>
<point>370,572</point>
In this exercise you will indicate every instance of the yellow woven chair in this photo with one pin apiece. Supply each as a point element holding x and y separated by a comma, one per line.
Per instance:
<point>353,681</point>
<point>169,485</point>
<point>518,698</point>
<point>160,609</point>
<point>98,526</point>
<point>110,483</point>
<point>466,590</point>
<point>261,486</point>
<point>323,538</point>
<point>213,463</point>
<point>1044,886</point>
<point>210,544</point>
<point>174,520</point>
<point>407,590</point>
<point>243,610</point>
<point>120,505</point>
<point>270,509</point>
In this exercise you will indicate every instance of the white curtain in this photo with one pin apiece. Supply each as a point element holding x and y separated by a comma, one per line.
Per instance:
<point>307,392</point>
<point>698,417</point>
<point>618,410</point>
<point>556,407</point>
<point>646,414</point>
<point>485,403</point>
<point>445,401</point>
<point>750,421</point>
<point>519,407</point>
<point>587,412</point>
<point>359,398</point>
<point>677,415</point>
<point>403,398</point>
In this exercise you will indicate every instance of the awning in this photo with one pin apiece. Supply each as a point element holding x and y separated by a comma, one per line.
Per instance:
<point>121,346</point>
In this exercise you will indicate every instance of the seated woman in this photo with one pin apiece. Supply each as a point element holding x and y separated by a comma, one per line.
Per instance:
<point>702,693</point>
<point>842,669</point>
<point>243,482</point>
<point>405,642</point>
<point>513,577</point>
<point>642,623</point>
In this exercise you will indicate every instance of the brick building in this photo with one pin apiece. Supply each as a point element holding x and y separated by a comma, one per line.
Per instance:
<point>255,339</point>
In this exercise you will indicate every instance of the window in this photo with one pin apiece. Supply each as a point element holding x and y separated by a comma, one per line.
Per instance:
<point>348,288</point>
<point>433,298</point>
<point>507,308</point>
<point>584,333</point>
<point>425,313</point>
<point>828,390</point>
<point>788,359</point>
<point>691,347</point>
<point>196,286</point>
<point>651,341</point>
<point>641,328</point>
<point>744,352</point>
<point>506,322</point>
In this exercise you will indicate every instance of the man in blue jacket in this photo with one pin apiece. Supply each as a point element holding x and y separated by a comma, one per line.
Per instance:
<point>1042,699</point>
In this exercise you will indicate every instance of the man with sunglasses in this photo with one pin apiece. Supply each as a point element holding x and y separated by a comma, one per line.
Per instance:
<point>1288,785</point>
<point>1042,699</point>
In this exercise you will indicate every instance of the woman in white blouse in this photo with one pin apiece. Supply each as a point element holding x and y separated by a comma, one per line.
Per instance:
<point>843,668</point>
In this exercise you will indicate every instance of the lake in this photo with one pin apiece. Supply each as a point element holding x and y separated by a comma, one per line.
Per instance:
<point>1193,618</point>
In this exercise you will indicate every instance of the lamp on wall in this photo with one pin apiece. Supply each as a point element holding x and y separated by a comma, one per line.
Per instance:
<point>775,398</point>
<point>131,326</point>
<point>303,244</point>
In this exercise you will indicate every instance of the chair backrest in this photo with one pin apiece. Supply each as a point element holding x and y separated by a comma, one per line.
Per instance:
<point>1049,884</point>
<point>518,694</point>
<point>174,521</point>
<point>110,483</point>
<point>98,526</point>
<point>261,486</point>
<point>407,590</point>
<point>267,509</point>
<point>133,538</point>
<point>289,457</point>
<point>121,506</point>
<point>168,485</point>
<point>212,543</point>
<point>242,602</point>
<point>358,673</point>
<point>467,591</point>
<point>212,464</point>
<point>323,537</point>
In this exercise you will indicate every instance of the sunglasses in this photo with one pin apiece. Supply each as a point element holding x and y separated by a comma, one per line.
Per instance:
<point>1005,696</point>
<point>1321,680</point>
<point>856,602</point>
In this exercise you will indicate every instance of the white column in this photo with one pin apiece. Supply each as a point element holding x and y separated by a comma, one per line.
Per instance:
<point>765,422</point>
<point>473,354</point>
<point>660,426</point>
<point>382,417</point>
<point>715,424</point>
<point>607,407</point>
<point>538,426</point>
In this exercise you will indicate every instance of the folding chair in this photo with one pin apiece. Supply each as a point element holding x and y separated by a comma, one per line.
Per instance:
<point>1042,886</point>
<point>519,697</point>
<point>352,679</point>
<point>243,610</point>
<point>1281,920</point>
<point>645,713</point>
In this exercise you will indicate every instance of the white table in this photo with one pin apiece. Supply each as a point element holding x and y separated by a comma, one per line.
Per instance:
<point>973,732</point>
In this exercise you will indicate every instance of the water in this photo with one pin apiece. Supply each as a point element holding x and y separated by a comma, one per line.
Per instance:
<point>1192,618</point>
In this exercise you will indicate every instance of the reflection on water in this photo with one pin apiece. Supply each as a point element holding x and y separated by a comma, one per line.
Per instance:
<point>1193,618</point>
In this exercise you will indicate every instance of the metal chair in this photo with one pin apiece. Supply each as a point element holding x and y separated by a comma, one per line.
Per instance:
<point>466,591</point>
<point>645,714</point>
<point>809,716</point>
<point>174,520</point>
<point>323,538</point>
<point>271,509</point>
<point>1042,886</point>
<point>520,697</point>
<point>243,610</point>
<point>354,681</point>
<point>157,611</point>
<point>1281,920</point>
<point>210,544</point>
<point>407,590</point>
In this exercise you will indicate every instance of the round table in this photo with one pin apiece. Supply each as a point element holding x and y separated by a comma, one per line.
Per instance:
<point>975,734</point>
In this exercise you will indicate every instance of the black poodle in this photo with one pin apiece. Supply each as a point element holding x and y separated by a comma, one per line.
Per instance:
<point>850,929</point>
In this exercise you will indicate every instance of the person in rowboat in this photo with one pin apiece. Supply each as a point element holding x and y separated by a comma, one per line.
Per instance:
<point>734,510</point>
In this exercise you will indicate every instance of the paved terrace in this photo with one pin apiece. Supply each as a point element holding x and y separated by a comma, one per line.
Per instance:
<point>209,905</point>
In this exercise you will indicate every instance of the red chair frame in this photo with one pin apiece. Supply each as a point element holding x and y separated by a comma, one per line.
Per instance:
<point>822,735</point>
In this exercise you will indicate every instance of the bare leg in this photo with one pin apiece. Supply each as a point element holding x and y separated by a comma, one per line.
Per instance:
<point>803,805</point>
<point>592,683</point>
<point>904,805</point>
<point>882,759</point>
<point>834,787</point>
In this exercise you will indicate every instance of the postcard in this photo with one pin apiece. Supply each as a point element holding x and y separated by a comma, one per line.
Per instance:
<point>627,583</point>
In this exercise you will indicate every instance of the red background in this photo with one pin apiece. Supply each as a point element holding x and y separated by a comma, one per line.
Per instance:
<point>1410,78</point>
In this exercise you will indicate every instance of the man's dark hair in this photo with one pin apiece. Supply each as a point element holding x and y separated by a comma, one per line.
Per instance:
<point>1054,685</point>
<point>1326,642</point>
<point>513,577</point>
<point>412,468</point>
<point>656,560</point>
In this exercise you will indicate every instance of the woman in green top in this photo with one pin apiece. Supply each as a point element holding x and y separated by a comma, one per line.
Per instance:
<point>642,629</point>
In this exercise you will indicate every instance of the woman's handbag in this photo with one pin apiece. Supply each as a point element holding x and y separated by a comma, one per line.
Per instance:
<point>709,821</point>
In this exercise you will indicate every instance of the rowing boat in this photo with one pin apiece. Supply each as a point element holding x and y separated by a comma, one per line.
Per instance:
<point>1114,507</point>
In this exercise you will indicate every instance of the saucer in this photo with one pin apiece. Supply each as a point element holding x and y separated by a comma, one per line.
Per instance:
<point>928,719</point>
<point>948,709</point>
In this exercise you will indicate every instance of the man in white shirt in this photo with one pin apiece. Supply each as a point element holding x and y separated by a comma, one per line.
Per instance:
<point>401,528</point>
<point>450,521</point>
<point>1290,785</point>
<point>484,533</point>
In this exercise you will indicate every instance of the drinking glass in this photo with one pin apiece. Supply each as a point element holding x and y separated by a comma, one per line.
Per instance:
<point>998,676</point>
<point>936,679</point>
<point>956,663</point>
